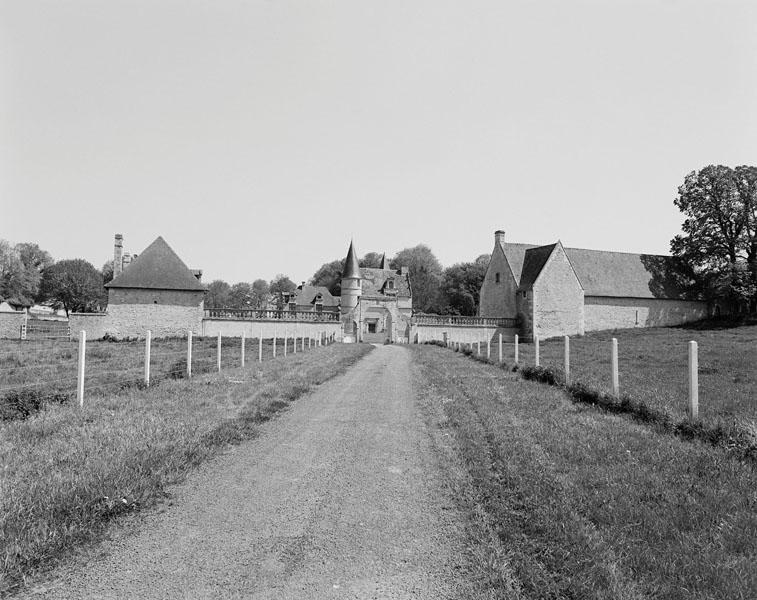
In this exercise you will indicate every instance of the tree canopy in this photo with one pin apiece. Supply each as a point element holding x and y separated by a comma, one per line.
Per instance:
<point>21,269</point>
<point>74,285</point>
<point>425,275</point>
<point>719,233</point>
<point>217,294</point>
<point>460,287</point>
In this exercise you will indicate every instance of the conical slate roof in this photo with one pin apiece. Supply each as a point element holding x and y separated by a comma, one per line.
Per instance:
<point>351,265</point>
<point>158,267</point>
<point>383,261</point>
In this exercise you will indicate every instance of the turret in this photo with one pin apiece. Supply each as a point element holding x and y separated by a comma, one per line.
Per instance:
<point>351,278</point>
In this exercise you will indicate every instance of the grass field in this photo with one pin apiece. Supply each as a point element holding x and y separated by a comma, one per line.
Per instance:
<point>565,501</point>
<point>48,367</point>
<point>65,472</point>
<point>653,367</point>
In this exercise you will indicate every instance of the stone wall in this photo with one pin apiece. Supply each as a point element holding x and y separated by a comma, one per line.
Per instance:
<point>150,296</point>
<point>462,333</point>
<point>133,320</point>
<point>92,323</point>
<point>558,298</point>
<point>253,329</point>
<point>10,324</point>
<point>498,299</point>
<point>619,313</point>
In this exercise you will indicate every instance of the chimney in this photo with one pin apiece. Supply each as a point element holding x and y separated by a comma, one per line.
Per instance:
<point>118,255</point>
<point>499,237</point>
<point>126,261</point>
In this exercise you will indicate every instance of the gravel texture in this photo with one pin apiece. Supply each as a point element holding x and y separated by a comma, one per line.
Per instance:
<point>339,497</point>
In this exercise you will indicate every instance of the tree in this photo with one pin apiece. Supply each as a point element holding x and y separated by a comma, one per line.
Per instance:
<point>21,270</point>
<point>260,293</point>
<point>74,285</point>
<point>372,260</point>
<point>719,240</point>
<point>240,295</point>
<point>461,287</point>
<point>217,294</point>
<point>107,272</point>
<point>329,275</point>
<point>280,284</point>
<point>425,275</point>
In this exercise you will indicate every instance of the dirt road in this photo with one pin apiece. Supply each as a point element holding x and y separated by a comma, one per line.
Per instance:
<point>337,498</point>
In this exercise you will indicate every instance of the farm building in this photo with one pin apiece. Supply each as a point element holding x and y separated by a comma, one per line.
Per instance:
<point>554,290</point>
<point>376,303</point>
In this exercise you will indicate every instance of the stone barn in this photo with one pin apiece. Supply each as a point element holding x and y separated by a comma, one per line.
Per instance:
<point>554,290</point>
<point>154,291</point>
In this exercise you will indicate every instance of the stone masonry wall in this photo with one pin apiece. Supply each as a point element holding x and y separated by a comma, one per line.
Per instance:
<point>10,324</point>
<point>498,299</point>
<point>559,298</point>
<point>92,323</point>
<point>150,296</point>
<point>619,313</point>
<point>133,320</point>
<point>462,333</point>
<point>253,329</point>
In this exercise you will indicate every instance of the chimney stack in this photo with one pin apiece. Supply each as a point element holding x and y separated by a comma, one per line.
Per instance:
<point>499,237</point>
<point>118,255</point>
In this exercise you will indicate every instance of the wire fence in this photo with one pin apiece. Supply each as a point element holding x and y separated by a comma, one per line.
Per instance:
<point>36,372</point>
<point>653,365</point>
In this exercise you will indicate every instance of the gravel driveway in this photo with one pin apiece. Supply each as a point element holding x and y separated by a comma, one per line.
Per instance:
<point>337,498</point>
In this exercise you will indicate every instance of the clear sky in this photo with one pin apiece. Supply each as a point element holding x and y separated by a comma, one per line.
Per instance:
<point>258,136</point>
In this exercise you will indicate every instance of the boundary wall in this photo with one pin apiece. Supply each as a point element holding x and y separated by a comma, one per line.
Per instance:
<point>10,324</point>
<point>269,328</point>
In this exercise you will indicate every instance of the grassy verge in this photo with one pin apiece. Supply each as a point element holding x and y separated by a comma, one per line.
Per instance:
<point>568,502</point>
<point>65,473</point>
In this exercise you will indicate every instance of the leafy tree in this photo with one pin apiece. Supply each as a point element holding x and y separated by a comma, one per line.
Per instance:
<point>280,284</point>
<point>260,293</point>
<point>21,270</point>
<point>329,275</point>
<point>372,260</point>
<point>217,294</point>
<point>719,240</point>
<point>107,272</point>
<point>425,275</point>
<point>74,285</point>
<point>240,295</point>
<point>461,287</point>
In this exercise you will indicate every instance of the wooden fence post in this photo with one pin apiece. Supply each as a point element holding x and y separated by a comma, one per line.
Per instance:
<point>516,348</point>
<point>294,341</point>
<point>536,350</point>
<point>218,352</point>
<point>500,348</point>
<point>286,339</point>
<point>488,348</point>
<point>148,342</point>
<point>260,345</point>
<point>80,370</point>
<point>567,360</point>
<point>693,380</point>
<point>478,347</point>
<point>243,340</point>
<point>615,378</point>
<point>189,354</point>
<point>274,342</point>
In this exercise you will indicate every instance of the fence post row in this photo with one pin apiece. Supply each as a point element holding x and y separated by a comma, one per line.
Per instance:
<point>80,373</point>
<point>693,380</point>
<point>189,354</point>
<point>148,343</point>
<point>615,380</point>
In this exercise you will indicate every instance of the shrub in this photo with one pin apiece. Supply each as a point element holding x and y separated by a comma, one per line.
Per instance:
<point>543,374</point>
<point>20,404</point>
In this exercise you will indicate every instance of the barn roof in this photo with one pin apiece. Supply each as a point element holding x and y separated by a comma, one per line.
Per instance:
<point>306,294</point>
<point>374,282</point>
<point>601,273</point>
<point>158,267</point>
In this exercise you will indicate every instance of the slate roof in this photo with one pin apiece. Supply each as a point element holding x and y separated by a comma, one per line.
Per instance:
<point>158,267</point>
<point>533,262</point>
<point>601,273</point>
<point>374,281</point>
<point>351,265</point>
<point>307,294</point>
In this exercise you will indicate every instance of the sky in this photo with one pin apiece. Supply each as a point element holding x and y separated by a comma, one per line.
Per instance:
<point>259,136</point>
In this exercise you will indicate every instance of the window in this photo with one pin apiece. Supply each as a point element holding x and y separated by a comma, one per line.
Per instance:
<point>293,306</point>
<point>319,307</point>
<point>390,284</point>
<point>496,278</point>
<point>371,327</point>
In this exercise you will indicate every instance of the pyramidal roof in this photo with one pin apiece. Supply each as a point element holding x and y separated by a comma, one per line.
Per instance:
<point>158,267</point>
<point>351,265</point>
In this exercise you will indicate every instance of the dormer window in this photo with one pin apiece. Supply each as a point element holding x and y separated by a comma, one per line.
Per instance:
<point>390,284</point>
<point>293,306</point>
